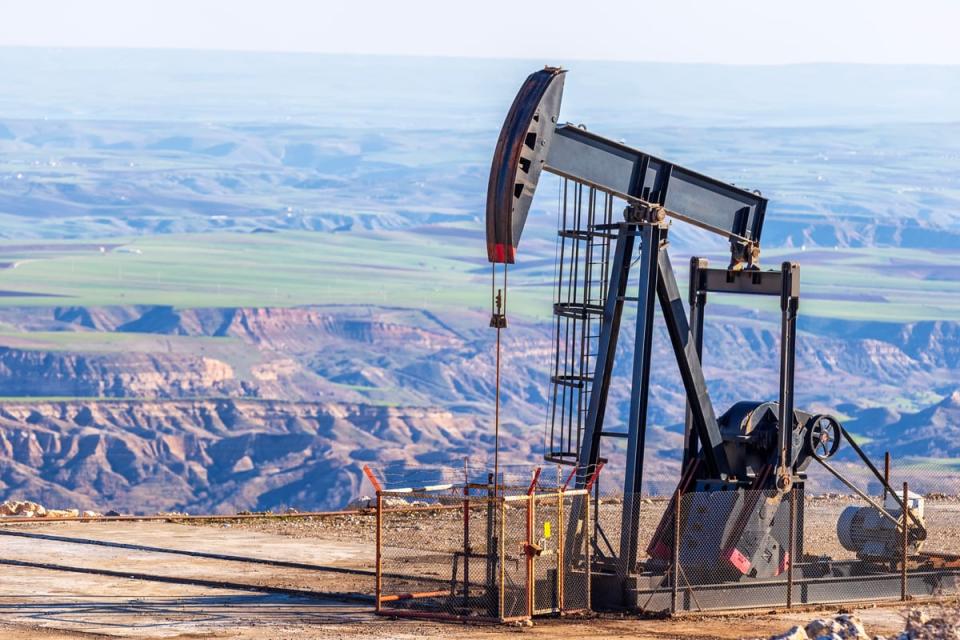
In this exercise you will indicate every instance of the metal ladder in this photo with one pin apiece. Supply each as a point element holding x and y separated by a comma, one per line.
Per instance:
<point>583,269</point>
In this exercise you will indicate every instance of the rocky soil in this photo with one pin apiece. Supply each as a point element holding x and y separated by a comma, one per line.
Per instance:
<point>920,624</point>
<point>27,509</point>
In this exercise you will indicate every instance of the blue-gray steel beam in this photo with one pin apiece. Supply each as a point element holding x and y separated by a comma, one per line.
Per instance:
<point>634,175</point>
<point>697,299</point>
<point>789,305</point>
<point>747,281</point>
<point>685,349</point>
<point>650,237</point>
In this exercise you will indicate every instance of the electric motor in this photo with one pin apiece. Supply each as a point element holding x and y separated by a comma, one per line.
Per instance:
<point>874,536</point>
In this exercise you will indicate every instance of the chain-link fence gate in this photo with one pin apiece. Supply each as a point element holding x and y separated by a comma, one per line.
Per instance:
<point>478,552</point>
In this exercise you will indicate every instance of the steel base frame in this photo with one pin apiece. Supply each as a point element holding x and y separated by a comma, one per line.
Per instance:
<point>848,582</point>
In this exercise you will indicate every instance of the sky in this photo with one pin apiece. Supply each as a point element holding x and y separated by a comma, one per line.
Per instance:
<point>704,31</point>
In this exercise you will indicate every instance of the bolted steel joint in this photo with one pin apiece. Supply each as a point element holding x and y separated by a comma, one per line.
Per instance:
<point>784,482</point>
<point>644,212</point>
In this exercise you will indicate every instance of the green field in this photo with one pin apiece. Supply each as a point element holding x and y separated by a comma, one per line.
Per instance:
<point>445,272</point>
<point>245,270</point>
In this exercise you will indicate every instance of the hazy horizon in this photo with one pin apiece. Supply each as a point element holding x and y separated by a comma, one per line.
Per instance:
<point>736,32</point>
<point>491,58</point>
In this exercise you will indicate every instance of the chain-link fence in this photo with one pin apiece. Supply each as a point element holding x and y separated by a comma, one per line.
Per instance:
<point>724,547</point>
<point>482,551</point>
<point>527,546</point>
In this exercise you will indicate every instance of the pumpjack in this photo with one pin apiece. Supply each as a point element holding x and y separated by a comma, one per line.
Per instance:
<point>739,468</point>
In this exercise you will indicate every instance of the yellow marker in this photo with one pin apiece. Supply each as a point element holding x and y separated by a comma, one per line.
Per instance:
<point>546,529</point>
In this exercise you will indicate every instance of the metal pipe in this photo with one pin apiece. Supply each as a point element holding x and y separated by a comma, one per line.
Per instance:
<point>860,493</point>
<point>412,596</point>
<point>876,473</point>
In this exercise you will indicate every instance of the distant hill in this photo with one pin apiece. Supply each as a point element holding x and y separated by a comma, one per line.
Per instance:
<point>933,432</point>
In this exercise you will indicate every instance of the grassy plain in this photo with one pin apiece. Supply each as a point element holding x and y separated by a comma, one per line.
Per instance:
<point>439,271</point>
<point>233,269</point>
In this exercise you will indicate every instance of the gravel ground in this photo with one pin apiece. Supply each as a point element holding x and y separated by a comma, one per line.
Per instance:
<point>443,530</point>
<point>50,604</point>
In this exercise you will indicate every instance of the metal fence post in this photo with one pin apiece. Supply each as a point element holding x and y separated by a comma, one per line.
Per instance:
<point>531,571</point>
<point>466,544</point>
<point>378,589</point>
<point>596,507</point>
<point>494,545</point>
<point>792,545</point>
<point>561,572</point>
<point>675,583</point>
<point>903,564</point>
<point>588,548</point>
<point>503,558</point>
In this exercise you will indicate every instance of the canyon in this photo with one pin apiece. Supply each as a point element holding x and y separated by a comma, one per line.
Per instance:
<point>226,409</point>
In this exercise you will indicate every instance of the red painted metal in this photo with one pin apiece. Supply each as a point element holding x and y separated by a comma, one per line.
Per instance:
<point>594,476</point>
<point>533,483</point>
<point>414,595</point>
<point>372,478</point>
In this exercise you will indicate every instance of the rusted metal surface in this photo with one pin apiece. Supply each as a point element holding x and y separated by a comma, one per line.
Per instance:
<point>396,597</point>
<point>936,560</point>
